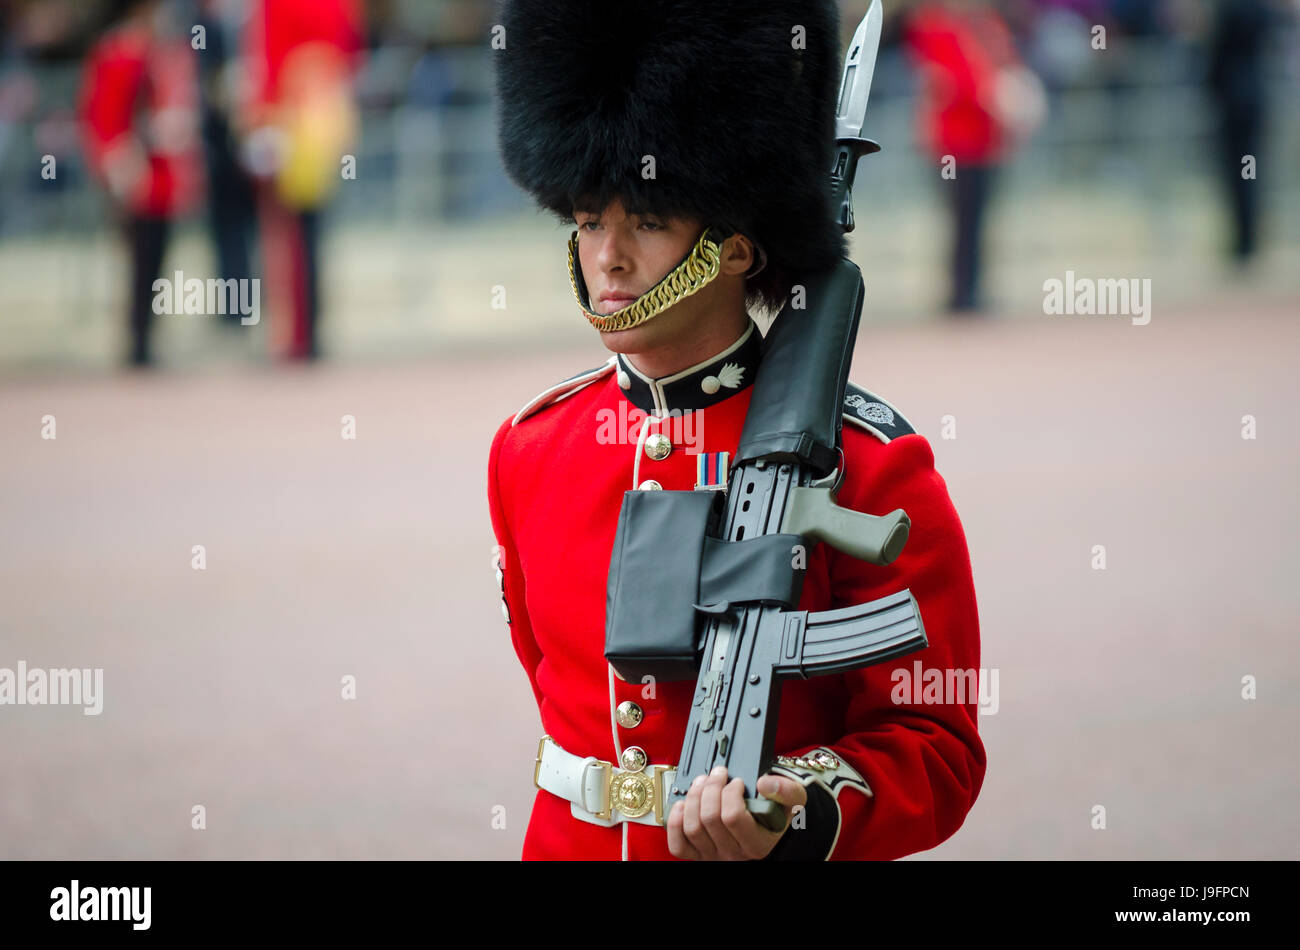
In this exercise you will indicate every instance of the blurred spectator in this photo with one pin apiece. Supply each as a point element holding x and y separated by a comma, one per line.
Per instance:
<point>299,121</point>
<point>139,118</point>
<point>978,102</point>
<point>1238,82</point>
<point>1057,45</point>
<point>231,202</point>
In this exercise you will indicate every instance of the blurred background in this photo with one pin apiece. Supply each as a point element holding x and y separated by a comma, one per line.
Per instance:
<point>343,154</point>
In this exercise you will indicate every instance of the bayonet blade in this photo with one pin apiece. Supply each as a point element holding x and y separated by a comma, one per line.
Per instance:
<point>859,67</point>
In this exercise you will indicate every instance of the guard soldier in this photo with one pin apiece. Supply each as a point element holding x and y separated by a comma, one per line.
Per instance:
<point>690,144</point>
<point>139,115</point>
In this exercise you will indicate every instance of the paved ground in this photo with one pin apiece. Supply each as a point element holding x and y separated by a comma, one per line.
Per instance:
<point>370,558</point>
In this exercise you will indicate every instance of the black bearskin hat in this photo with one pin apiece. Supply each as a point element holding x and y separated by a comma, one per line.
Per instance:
<point>733,100</point>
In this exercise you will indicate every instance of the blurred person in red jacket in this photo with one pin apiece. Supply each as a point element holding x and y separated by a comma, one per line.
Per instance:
<point>978,101</point>
<point>138,109</point>
<point>298,123</point>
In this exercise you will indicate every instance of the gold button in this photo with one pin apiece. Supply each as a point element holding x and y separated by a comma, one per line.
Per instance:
<point>628,714</point>
<point>634,759</point>
<point>650,485</point>
<point>658,446</point>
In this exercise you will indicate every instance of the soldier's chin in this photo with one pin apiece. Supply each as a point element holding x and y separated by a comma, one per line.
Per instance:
<point>635,339</point>
<point>624,341</point>
<point>660,328</point>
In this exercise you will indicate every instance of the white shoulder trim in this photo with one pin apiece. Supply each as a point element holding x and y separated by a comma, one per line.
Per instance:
<point>563,389</point>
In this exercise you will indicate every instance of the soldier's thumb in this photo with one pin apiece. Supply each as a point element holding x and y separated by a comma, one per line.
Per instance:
<point>780,789</point>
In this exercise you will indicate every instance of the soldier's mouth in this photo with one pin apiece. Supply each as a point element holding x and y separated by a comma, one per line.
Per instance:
<point>616,301</point>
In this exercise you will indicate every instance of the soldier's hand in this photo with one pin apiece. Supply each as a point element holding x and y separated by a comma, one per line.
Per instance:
<point>713,824</point>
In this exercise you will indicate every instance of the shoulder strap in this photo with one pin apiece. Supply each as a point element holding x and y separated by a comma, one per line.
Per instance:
<point>874,414</point>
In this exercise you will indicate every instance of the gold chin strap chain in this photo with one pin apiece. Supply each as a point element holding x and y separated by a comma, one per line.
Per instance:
<point>695,270</point>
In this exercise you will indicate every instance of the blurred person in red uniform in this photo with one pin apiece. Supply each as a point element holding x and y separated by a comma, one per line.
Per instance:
<point>977,101</point>
<point>297,123</point>
<point>139,115</point>
<point>740,122</point>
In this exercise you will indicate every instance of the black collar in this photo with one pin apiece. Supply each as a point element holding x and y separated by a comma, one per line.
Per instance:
<point>699,386</point>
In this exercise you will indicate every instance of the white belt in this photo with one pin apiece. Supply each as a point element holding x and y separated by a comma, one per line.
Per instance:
<point>601,792</point>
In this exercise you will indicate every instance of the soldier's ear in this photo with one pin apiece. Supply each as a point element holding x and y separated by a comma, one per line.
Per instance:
<point>737,254</point>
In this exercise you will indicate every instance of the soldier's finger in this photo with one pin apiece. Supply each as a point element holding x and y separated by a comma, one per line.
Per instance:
<point>691,825</point>
<point>728,847</point>
<point>677,843</point>
<point>752,839</point>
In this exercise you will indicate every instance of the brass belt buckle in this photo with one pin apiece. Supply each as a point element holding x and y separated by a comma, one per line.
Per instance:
<point>632,792</point>
<point>636,793</point>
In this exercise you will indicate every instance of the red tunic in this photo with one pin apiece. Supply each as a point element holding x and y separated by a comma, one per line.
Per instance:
<point>556,480</point>
<point>278,31</point>
<point>961,54</point>
<point>139,117</point>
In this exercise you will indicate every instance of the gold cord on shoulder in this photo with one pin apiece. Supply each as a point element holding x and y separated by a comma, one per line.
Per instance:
<point>695,270</point>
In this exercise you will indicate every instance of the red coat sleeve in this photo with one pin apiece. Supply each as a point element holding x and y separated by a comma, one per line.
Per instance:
<point>511,578</point>
<point>111,84</point>
<point>918,752</point>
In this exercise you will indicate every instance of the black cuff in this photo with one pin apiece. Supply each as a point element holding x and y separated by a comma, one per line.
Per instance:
<point>821,826</point>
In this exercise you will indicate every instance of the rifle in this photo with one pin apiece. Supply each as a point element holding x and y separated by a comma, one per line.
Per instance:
<point>741,548</point>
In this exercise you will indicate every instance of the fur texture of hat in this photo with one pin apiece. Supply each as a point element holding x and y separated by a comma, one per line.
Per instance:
<point>723,110</point>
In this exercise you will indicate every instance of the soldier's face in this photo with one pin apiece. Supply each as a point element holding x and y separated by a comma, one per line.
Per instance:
<point>623,256</point>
